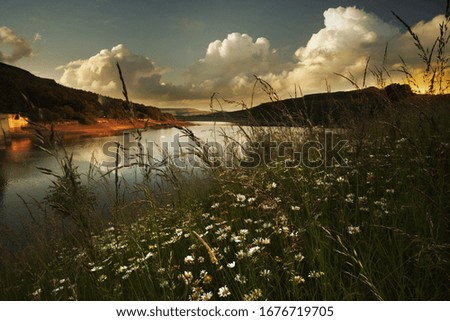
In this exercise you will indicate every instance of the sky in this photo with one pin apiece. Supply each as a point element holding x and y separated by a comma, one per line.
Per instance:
<point>177,53</point>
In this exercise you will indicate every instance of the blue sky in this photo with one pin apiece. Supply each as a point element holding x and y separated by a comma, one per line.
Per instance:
<point>177,53</point>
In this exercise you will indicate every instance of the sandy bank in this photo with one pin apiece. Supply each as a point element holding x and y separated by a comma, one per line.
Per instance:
<point>74,130</point>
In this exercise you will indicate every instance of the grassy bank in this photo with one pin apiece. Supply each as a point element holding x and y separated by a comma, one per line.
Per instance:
<point>372,228</point>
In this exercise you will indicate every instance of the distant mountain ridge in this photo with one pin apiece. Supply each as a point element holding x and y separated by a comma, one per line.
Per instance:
<point>182,112</point>
<point>316,109</point>
<point>55,102</point>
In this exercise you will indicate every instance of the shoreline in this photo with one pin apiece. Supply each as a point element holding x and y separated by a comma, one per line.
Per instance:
<point>72,130</point>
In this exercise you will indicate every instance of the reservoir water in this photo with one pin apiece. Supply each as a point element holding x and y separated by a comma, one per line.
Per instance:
<point>19,175</point>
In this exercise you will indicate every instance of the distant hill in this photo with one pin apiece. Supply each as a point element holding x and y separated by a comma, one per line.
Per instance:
<point>316,109</point>
<point>54,102</point>
<point>182,112</point>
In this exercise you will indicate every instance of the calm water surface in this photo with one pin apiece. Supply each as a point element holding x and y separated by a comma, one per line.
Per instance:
<point>19,175</point>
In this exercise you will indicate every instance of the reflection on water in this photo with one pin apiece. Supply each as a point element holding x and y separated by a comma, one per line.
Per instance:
<point>19,149</point>
<point>3,183</point>
<point>21,145</point>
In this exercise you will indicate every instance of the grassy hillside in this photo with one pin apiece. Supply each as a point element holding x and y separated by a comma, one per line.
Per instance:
<point>327,109</point>
<point>55,102</point>
<point>183,112</point>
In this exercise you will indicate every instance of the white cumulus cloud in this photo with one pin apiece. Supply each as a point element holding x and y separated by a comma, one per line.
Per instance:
<point>343,45</point>
<point>349,37</point>
<point>19,47</point>
<point>99,74</point>
<point>37,37</point>
<point>229,64</point>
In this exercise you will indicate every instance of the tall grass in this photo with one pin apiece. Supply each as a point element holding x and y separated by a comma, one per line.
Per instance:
<point>375,229</point>
<point>435,59</point>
